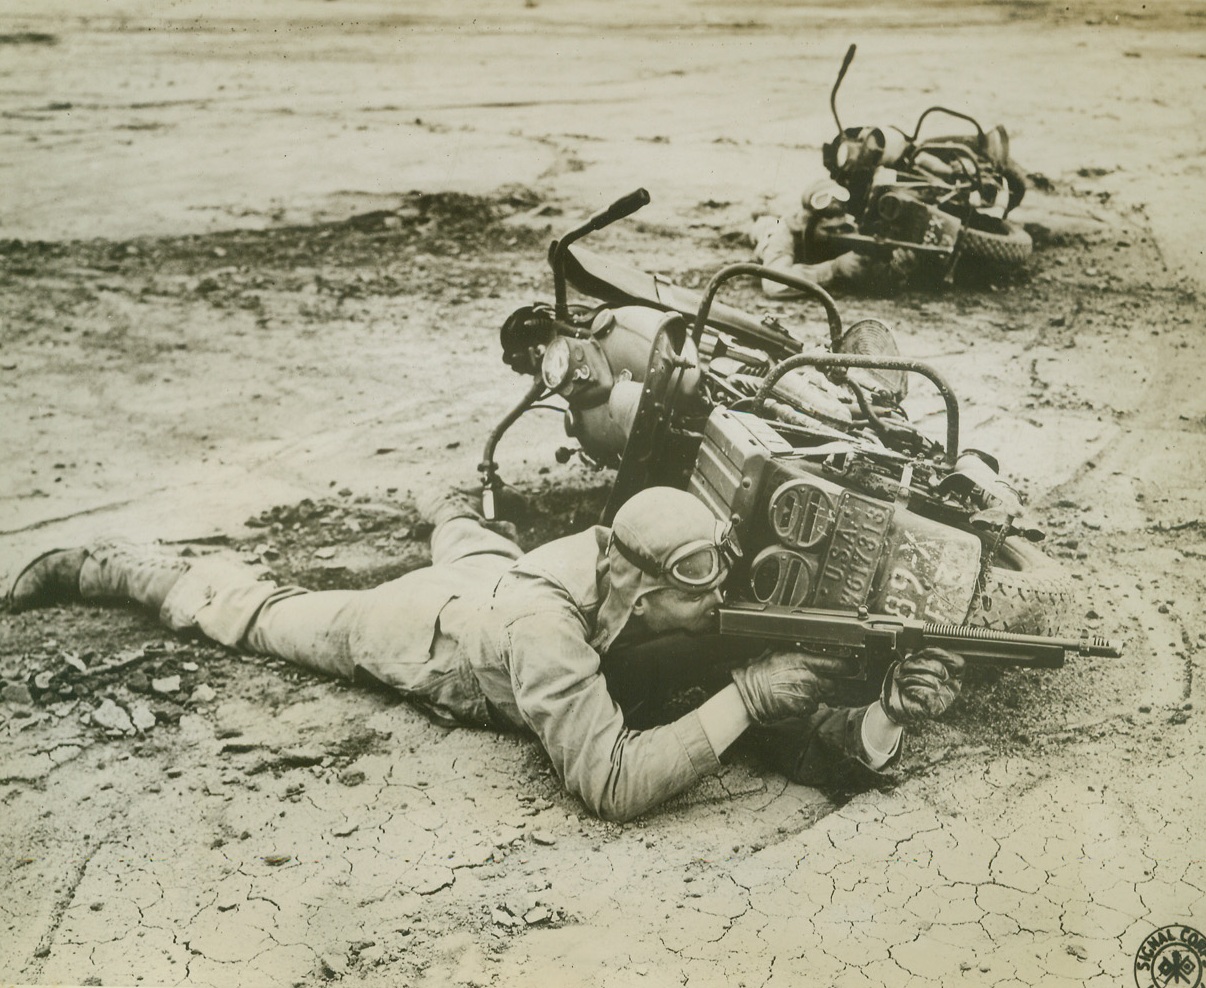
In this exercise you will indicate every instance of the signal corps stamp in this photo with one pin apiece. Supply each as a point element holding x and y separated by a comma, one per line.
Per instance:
<point>1171,957</point>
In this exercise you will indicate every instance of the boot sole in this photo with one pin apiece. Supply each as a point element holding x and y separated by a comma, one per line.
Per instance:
<point>17,603</point>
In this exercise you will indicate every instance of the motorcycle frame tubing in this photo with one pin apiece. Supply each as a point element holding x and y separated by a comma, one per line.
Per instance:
<point>847,360</point>
<point>811,289</point>
<point>829,359</point>
<point>954,113</point>
<point>488,468</point>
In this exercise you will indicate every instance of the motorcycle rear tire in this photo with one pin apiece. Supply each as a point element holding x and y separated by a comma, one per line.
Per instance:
<point>1006,245</point>
<point>1027,593</point>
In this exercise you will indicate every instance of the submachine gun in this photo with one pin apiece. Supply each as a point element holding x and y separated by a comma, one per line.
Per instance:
<point>641,677</point>
<point>873,640</point>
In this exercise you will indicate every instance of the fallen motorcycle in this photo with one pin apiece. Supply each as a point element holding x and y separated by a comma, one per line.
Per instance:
<point>933,203</point>
<point>839,503</point>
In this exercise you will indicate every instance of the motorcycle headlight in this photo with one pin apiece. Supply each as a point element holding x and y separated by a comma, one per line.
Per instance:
<point>555,364</point>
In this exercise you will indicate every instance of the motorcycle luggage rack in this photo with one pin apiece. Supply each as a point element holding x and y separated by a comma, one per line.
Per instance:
<point>953,113</point>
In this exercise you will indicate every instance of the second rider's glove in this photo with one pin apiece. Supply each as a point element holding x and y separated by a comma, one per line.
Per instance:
<point>922,686</point>
<point>786,684</point>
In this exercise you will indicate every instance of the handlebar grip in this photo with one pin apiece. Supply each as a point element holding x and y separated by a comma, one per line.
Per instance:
<point>847,60</point>
<point>624,206</point>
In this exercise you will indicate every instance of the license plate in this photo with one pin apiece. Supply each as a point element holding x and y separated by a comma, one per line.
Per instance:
<point>860,539</point>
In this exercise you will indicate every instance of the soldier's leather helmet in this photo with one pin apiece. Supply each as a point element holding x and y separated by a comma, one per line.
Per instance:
<point>661,537</point>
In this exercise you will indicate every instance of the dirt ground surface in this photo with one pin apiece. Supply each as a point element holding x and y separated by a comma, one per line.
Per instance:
<point>253,267</point>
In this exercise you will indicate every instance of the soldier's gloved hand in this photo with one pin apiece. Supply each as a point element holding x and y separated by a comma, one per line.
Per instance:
<point>851,266</point>
<point>786,684</point>
<point>922,686</point>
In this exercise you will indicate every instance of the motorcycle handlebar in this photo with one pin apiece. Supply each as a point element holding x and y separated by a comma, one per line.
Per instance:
<point>840,76</point>
<point>624,206</point>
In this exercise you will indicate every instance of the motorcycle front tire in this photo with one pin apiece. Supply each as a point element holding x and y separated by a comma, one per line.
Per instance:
<point>1000,243</point>
<point>1026,593</point>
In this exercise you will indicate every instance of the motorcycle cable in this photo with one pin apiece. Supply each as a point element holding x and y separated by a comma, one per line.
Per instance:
<point>891,434</point>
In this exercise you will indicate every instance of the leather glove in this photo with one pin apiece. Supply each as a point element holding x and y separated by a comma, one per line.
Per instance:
<point>921,686</point>
<point>786,684</point>
<point>851,266</point>
<point>774,242</point>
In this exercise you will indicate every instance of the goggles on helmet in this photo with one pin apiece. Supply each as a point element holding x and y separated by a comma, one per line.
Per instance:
<point>827,195</point>
<point>695,568</point>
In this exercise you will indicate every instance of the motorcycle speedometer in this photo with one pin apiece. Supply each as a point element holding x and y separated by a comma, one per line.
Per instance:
<point>555,364</point>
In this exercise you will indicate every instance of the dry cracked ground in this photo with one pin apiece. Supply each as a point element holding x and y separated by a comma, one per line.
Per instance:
<point>253,271</point>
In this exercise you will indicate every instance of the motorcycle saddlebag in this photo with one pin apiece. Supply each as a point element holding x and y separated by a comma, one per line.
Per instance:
<point>808,541</point>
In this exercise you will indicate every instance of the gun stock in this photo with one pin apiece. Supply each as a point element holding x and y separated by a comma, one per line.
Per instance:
<point>875,638</point>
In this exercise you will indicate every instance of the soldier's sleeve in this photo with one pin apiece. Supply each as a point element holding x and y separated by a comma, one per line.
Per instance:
<point>562,696</point>
<point>824,750</point>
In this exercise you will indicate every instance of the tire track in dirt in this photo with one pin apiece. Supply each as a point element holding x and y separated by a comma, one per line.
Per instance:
<point>1153,460</point>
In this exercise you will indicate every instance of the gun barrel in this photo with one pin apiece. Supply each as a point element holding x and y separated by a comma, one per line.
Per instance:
<point>1087,645</point>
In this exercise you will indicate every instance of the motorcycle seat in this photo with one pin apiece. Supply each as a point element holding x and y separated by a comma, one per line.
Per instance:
<point>618,284</point>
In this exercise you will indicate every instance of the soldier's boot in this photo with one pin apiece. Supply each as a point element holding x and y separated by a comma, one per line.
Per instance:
<point>440,506</point>
<point>115,571</point>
